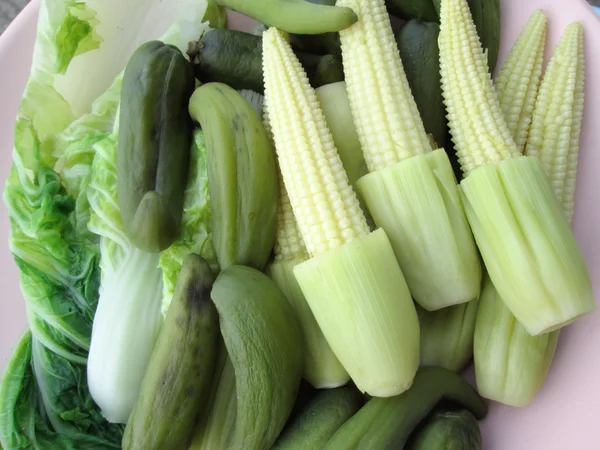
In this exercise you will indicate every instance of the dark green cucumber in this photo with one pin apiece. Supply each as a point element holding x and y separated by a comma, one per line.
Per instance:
<point>486,15</point>
<point>412,9</point>
<point>329,70</point>
<point>264,342</point>
<point>418,45</point>
<point>447,430</point>
<point>386,423</point>
<point>235,58</point>
<point>178,379</point>
<point>320,419</point>
<point>155,136</point>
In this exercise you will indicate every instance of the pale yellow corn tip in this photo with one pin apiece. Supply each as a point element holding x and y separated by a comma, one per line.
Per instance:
<point>325,205</point>
<point>388,122</point>
<point>479,131</point>
<point>519,79</point>
<point>556,124</point>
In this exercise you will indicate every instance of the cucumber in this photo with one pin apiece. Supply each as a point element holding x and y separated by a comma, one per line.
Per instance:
<point>419,50</point>
<point>177,382</point>
<point>386,423</point>
<point>155,136</point>
<point>264,342</point>
<point>242,176</point>
<point>329,70</point>
<point>321,418</point>
<point>412,9</point>
<point>449,430</point>
<point>235,58</point>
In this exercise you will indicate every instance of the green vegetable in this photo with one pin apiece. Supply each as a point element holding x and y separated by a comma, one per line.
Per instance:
<point>50,408</point>
<point>412,9</point>
<point>510,204</point>
<point>155,133</point>
<point>264,343</point>
<point>386,423</point>
<point>79,50</point>
<point>294,16</point>
<point>418,46</point>
<point>235,58</point>
<point>180,370</point>
<point>320,419</point>
<point>447,335</point>
<point>369,320</point>
<point>329,70</point>
<point>242,176</point>
<point>216,15</point>
<point>449,430</point>
<point>411,190</point>
<point>321,44</point>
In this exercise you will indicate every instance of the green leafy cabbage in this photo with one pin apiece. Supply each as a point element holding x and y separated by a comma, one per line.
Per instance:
<point>195,234</point>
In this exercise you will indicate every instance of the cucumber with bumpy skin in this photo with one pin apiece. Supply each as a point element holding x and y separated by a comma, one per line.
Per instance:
<point>321,418</point>
<point>235,58</point>
<point>386,423</point>
<point>179,375</point>
<point>448,430</point>
<point>155,136</point>
<point>412,9</point>
<point>242,176</point>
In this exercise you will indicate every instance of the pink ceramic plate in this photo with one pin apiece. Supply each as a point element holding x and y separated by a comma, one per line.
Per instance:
<point>565,414</point>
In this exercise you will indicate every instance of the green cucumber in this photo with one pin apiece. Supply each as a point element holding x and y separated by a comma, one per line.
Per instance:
<point>418,45</point>
<point>180,372</point>
<point>155,136</point>
<point>264,342</point>
<point>448,430</point>
<point>242,176</point>
<point>386,423</point>
<point>235,58</point>
<point>321,418</point>
<point>412,9</point>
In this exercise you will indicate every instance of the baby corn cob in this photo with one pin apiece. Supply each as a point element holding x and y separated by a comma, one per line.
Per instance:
<point>527,245</point>
<point>510,364</point>
<point>411,191</point>
<point>352,281</point>
<point>519,78</point>
<point>321,367</point>
<point>556,124</point>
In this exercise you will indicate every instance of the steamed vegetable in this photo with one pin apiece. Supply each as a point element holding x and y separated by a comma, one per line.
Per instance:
<point>447,335</point>
<point>449,430</point>
<point>294,16</point>
<point>264,343</point>
<point>322,369</point>
<point>515,370</point>
<point>235,58</point>
<point>518,80</point>
<point>386,423</point>
<point>320,419</point>
<point>515,216</point>
<point>411,191</point>
<point>352,281</point>
<point>242,176</point>
<point>413,9</point>
<point>181,368</point>
<point>154,140</point>
<point>195,236</point>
